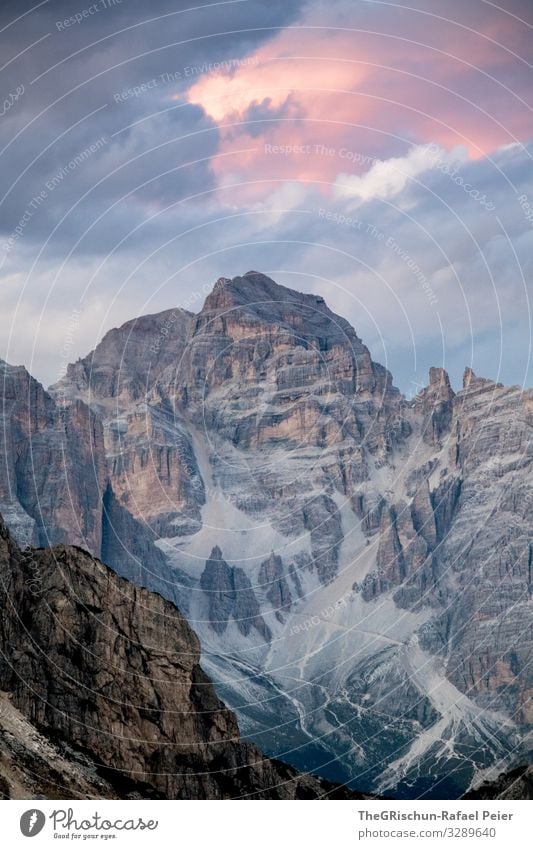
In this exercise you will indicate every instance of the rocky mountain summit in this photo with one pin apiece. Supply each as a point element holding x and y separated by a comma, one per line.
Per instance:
<point>103,693</point>
<point>357,565</point>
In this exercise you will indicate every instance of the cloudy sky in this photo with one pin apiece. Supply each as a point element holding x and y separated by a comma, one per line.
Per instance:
<point>376,153</point>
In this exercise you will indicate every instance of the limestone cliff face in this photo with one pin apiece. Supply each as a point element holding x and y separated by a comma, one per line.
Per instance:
<point>463,544</point>
<point>231,596</point>
<point>486,555</point>
<point>153,471</point>
<point>262,368</point>
<point>55,480</point>
<point>113,671</point>
<point>52,464</point>
<point>265,365</point>
<point>150,460</point>
<point>128,359</point>
<point>435,405</point>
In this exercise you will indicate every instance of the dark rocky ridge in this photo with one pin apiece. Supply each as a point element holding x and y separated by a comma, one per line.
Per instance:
<point>95,663</point>
<point>515,784</point>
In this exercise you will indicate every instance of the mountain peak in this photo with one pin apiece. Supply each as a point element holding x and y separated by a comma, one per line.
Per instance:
<point>12,367</point>
<point>258,299</point>
<point>255,287</point>
<point>438,376</point>
<point>472,381</point>
<point>468,376</point>
<point>250,287</point>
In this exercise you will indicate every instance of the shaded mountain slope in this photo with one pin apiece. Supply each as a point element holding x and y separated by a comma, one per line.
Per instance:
<point>111,670</point>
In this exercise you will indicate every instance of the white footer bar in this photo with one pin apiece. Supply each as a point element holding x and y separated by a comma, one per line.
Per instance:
<point>268,825</point>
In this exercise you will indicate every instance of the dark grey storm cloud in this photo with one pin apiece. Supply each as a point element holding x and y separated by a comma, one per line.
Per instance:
<point>95,75</point>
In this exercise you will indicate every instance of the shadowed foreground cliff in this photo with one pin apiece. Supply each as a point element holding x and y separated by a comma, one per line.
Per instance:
<point>515,784</point>
<point>103,694</point>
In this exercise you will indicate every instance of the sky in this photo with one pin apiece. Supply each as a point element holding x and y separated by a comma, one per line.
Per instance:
<point>376,153</point>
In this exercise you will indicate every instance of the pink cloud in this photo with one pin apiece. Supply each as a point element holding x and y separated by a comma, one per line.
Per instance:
<point>312,89</point>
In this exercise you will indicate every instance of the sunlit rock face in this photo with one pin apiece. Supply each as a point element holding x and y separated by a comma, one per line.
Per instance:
<point>357,565</point>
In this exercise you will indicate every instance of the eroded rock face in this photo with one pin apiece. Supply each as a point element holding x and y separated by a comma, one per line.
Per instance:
<point>52,464</point>
<point>274,582</point>
<point>150,460</point>
<point>435,403</point>
<point>55,483</point>
<point>231,595</point>
<point>33,766</point>
<point>485,555</point>
<point>128,359</point>
<point>266,364</point>
<point>129,547</point>
<point>113,671</point>
<point>261,368</point>
<point>153,471</point>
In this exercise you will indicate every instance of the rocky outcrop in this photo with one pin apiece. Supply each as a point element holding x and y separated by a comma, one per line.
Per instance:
<point>217,583</point>
<point>33,766</point>
<point>406,538</point>
<point>274,583</point>
<point>129,548</point>
<point>261,367</point>
<point>230,595</point>
<point>486,548</point>
<point>150,460</point>
<point>113,671</point>
<point>55,482</point>
<point>435,404</point>
<point>153,471</point>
